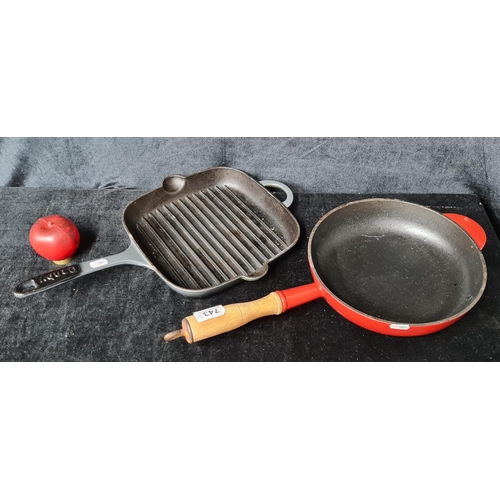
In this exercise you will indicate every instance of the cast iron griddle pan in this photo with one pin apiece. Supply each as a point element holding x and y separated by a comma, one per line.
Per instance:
<point>200,234</point>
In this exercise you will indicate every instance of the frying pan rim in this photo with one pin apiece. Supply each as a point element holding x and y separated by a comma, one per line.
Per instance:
<point>386,321</point>
<point>234,280</point>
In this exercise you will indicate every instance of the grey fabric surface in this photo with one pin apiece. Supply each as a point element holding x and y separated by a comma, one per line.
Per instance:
<point>319,164</point>
<point>489,189</point>
<point>96,163</point>
<point>365,164</point>
<point>382,165</point>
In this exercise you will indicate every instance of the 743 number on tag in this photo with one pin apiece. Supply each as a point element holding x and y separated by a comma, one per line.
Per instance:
<point>211,312</point>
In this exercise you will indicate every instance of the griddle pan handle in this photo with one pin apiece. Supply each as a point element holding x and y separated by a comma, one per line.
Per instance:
<point>62,275</point>
<point>279,185</point>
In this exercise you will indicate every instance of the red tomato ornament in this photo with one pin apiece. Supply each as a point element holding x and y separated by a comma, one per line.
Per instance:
<point>55,237</point>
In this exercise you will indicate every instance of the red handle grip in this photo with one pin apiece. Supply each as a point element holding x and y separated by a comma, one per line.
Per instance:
<point>294,297</point>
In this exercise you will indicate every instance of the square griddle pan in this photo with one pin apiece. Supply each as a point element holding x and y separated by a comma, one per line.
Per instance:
<point>201,234</point>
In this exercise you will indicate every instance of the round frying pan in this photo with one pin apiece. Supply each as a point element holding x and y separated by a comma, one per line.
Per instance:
<point>387,265</point>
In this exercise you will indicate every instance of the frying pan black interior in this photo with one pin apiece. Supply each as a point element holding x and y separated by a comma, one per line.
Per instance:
<point>397,261</point>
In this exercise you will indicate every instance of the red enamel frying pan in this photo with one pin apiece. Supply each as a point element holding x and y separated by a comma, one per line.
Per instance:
<point>389,266</point>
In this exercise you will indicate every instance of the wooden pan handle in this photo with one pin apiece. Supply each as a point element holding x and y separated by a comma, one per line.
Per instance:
<point>234,316</point>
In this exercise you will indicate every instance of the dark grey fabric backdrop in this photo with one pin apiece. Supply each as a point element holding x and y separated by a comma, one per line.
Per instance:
<point>95,163</point>
<point>329,165</point>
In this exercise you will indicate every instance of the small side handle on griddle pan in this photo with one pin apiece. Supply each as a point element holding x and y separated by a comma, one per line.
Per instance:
<point>59,276</point>
<point>279,185</point>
